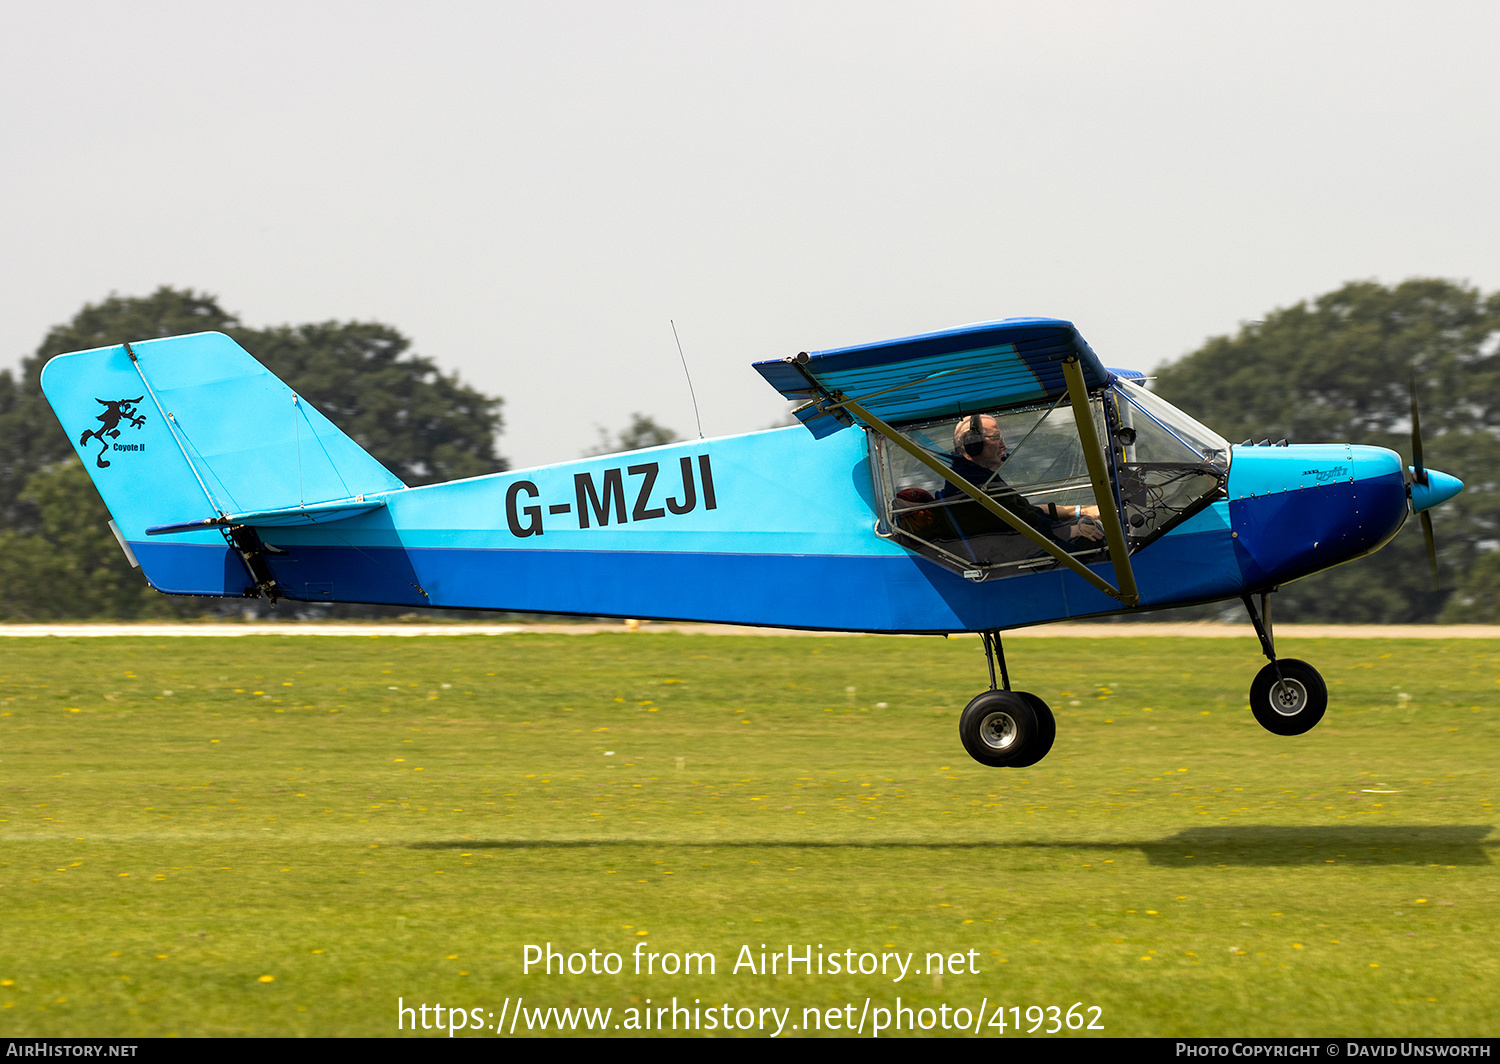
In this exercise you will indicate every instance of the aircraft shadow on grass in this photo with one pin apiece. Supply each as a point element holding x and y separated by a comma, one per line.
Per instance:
<point>1266,844</point>
<point>1249,845</point>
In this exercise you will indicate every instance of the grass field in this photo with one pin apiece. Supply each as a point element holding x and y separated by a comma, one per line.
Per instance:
<point>283,835</point>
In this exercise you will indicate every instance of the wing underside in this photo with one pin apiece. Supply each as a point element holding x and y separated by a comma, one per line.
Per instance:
<point>972,368</point>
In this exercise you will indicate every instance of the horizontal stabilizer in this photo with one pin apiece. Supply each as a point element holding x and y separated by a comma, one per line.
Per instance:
<point>316,514</point>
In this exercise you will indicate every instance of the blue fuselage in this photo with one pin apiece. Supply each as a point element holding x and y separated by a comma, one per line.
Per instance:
<point>776,528</point>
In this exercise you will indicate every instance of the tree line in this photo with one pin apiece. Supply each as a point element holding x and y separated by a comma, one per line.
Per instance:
<point>1337,368</point>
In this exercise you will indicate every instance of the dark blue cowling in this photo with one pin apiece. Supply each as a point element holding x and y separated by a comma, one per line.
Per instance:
<point>1294,511</point>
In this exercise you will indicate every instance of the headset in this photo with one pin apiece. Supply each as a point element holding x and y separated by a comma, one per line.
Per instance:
<point>972,441</point>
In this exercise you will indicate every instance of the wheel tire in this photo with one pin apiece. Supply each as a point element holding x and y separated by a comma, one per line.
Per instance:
<point>1047,730</point>
<point>1295,708</point>
<point>1002,729</point>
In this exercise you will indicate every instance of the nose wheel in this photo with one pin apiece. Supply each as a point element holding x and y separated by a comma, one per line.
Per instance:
<point>1005,728</point>
<point>1288,696</point>
<point>1291,701</point>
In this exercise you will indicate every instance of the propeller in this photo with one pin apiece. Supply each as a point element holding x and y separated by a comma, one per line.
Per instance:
<point>1419,476</point>
<point>1425,487</point>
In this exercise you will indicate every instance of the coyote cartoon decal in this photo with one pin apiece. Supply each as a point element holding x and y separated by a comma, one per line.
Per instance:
<point>115,411</point>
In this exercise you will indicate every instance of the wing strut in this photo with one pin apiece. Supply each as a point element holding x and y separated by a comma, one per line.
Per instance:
<point>1093,454</point>
<point>1001,512</point>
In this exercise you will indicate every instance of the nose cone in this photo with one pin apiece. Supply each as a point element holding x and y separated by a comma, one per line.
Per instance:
<point>1440,487</point>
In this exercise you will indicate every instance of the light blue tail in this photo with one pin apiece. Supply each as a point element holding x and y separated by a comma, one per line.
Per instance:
<point>191,436</point>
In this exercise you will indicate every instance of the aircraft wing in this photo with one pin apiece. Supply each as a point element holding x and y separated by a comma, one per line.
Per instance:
<point>972,368</point>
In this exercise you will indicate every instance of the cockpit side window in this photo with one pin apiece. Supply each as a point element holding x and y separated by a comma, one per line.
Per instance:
<point>1028,460</point>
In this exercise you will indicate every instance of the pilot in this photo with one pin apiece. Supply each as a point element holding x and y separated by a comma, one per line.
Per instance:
<point>979,450</point>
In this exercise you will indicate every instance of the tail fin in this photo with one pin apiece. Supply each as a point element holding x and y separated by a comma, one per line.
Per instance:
<point>186,433</point>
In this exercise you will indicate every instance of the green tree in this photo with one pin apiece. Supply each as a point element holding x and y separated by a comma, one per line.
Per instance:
<point>59,558</point>
<point>422,425</point>
<point>71,565</point>
<point>1337,369</point>
<point>642,432</point>
<point>1477,600</point>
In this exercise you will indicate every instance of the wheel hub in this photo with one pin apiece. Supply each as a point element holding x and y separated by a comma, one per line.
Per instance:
<point>998,730</point>
<point>1288,697</point>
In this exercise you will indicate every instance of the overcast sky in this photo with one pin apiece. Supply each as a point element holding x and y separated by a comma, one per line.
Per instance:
<point>532,191</point>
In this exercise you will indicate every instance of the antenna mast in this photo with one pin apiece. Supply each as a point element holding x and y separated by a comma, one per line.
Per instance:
<point>689,377</point>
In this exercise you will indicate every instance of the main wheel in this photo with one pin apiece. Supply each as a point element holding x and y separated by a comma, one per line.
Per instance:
<point>1047,731</point>
<point>1003,729</point>
<point>1293,705</point>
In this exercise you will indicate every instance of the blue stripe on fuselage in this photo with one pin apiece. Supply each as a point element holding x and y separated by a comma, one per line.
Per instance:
<point>874,593</point>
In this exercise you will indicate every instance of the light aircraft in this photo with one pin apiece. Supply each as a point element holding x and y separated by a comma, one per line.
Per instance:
<point>976,479</point>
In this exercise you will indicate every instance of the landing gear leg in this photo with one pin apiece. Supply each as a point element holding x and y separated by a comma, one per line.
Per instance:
<point>994,651</point>
<point>1288,696</point>
<point>1005,728</point>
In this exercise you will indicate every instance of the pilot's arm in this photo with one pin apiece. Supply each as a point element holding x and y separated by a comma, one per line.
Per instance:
<point>1060,522</point>
<point>1068,513</point>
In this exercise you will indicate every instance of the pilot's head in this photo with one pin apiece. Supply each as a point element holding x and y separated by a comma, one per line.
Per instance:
<point>977,438</point>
